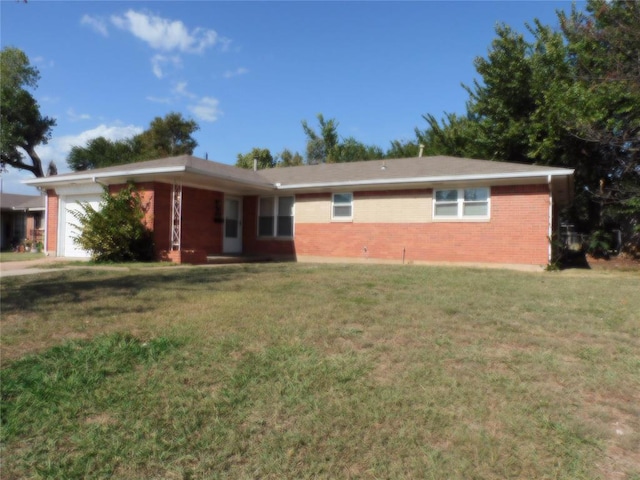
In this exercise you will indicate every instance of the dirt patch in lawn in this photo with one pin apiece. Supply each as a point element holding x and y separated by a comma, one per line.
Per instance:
<point>620,262</point>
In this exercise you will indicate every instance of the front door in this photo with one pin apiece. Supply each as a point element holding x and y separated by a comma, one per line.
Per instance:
<point>232,242</point>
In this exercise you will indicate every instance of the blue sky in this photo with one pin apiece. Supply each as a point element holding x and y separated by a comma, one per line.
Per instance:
<point>250,72</point>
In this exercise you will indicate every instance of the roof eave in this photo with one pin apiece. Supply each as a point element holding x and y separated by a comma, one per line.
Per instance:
<point>428,180</point>
<point>92,177</point>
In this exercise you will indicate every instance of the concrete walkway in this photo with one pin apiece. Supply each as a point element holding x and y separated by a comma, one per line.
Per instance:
<point>29,267</point>
<point>48,264</point>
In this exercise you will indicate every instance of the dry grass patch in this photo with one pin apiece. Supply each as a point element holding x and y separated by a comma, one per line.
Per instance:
<point>303,371</point>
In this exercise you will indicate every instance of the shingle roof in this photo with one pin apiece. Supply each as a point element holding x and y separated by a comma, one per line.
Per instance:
<point>399,169</point>
<point>189,163</point>
<point>393,171</point>
<point>13,201</point>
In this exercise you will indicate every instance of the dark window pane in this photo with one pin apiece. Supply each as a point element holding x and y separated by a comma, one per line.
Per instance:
<point>265,226</point>
<point>342,198</point>
<point>231,228</point>
<point>478,194</point>
<point>285,206</point>
<point>285,226</point>
<point>446,195</point>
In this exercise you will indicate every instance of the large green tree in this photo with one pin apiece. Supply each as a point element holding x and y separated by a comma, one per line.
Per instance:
<point>22,126</point>
<point>166,137</point>
<point>288,159</point>
<point>326,146</point>
<point>603,104</point>
<point>403,149</point>
<point>453,135</point>
<point>261,155</point>
<point>169,136</point>
<point>352,150</point>
<point>321,145</point>
<point>568,97</point>
<point>102,152</point>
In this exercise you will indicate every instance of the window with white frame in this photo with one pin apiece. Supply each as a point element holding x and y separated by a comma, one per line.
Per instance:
<point>275,217</point>
<point>461,203</point>
<point>342,206</point>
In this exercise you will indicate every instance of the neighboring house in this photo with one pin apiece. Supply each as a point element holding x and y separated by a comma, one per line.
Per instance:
<point>410,210</point>
<point>22,220</point>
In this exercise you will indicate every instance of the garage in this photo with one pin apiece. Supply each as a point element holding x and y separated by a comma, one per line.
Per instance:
<point>68,224</point>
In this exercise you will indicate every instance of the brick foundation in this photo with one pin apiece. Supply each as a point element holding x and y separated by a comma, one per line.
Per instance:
<point>194,257</point>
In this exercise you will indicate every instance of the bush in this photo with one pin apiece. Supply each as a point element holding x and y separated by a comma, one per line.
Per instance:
<point>599,244</point>
<point>116,232</point>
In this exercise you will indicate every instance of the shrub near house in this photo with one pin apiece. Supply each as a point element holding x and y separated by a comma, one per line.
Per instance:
<point>116,232</point>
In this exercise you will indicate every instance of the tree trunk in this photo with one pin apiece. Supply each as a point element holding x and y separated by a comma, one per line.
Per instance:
<point>36,169</point>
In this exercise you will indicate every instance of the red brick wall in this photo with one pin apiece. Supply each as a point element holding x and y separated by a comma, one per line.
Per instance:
<point>251,243</point>
<point>146,192</point>
<point>200,231</point>
<point>53,210</point>
<point>201,235</point>
<point>161,217</point>
<point>516,233</point>
<point>196,257</point>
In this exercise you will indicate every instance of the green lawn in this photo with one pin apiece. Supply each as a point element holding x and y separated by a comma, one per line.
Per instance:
<point>20,256</point>
<point>302,371</point>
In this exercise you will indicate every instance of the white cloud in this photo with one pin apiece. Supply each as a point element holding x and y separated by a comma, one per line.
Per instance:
<point>236,72</point>
<point>206,109</point>
<point>74,117</point>
<point>96,24</point>
<point>167,35</point>
<point>58,148</point>
<point>42,62</point>
<point>181,90</point>
<point>158,99</point>
<point>158,61</point>
<point>57,151</point>
<point>49,99</point>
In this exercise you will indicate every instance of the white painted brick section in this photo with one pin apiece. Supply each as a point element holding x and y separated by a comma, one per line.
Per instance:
<point>403,208</point>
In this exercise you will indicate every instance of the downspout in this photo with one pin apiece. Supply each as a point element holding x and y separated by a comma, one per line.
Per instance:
<point>46,223</point>
<point>550,231</point>
<point>95,180</point>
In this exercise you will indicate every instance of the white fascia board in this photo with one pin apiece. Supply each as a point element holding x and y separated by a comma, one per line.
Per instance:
<point>448,178</point>
<point>92,177</point>
<point>28,209</point>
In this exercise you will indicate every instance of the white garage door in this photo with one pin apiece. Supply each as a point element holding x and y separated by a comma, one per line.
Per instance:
<point>69,224</point>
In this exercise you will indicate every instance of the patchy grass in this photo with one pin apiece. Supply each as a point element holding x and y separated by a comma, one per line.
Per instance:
<point>110,265</point>
<point>20,256</point>
<point>303,371</point>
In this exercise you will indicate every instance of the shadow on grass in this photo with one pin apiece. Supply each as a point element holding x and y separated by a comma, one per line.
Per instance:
<point>84,286</point>
<point>574,260</point>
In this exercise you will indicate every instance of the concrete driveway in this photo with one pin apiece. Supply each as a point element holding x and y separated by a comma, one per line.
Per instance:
<point>29,267</point>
